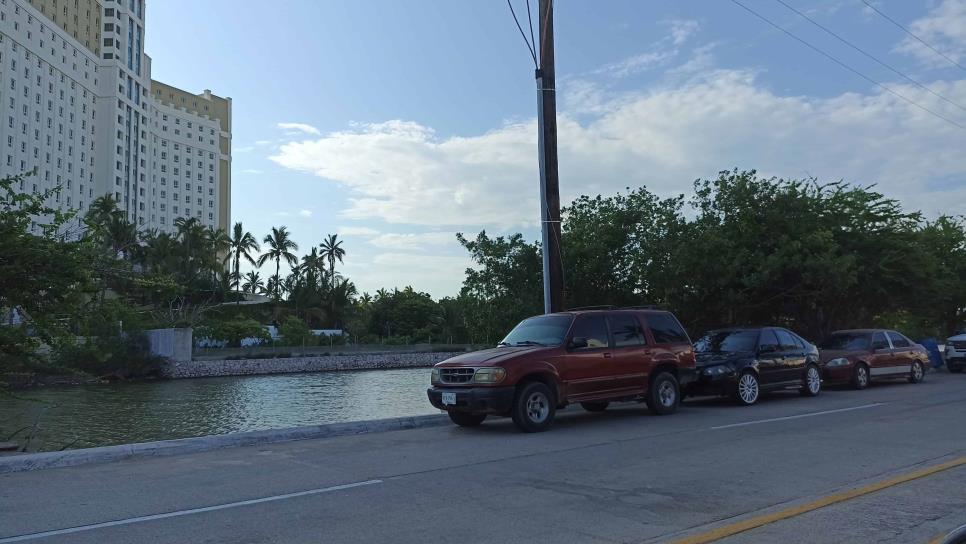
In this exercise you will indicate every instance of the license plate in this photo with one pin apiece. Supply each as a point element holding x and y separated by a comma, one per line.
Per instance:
<point>449,398</point>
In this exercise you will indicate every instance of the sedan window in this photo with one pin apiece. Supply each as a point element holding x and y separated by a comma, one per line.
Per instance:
<point>898,341</point>
<point>768,342</point>
<point>786,341</point>
<point>848,341</point>
<point>879,341</point>
<point>727,342</point>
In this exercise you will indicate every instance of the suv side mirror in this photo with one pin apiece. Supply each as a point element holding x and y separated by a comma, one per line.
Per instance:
<point>577,342</point>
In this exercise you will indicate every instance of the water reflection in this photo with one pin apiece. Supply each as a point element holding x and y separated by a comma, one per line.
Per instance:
<point>99,415</point>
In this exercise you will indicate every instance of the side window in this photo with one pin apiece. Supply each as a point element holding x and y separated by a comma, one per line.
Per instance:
<point>879,341</point>
<point>898,341</point>
<point>593,328</point>
<point>768,342</point>
<point>666,329</point>
<point>627,330</point>
<point>786,341</point>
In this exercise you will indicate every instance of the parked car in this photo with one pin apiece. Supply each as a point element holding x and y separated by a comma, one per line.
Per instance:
<point>862,355</point>
<point>956,352</point>
<point>591,357</point>
<point>744,362</point>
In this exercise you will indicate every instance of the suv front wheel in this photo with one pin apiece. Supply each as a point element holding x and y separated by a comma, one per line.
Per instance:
<point>534,407</point>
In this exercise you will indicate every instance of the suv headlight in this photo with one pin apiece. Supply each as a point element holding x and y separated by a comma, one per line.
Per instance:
<point>489,375</point>
<point>841,361</point>
<point>435,376</point>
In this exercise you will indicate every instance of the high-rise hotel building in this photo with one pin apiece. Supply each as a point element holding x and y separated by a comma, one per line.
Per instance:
<point>78,106</point>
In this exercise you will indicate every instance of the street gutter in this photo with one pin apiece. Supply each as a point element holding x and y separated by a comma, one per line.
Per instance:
<point>108,454</point>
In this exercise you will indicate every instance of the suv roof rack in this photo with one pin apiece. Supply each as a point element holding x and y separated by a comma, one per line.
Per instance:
<point>642,307</point>
<point>601,307</point>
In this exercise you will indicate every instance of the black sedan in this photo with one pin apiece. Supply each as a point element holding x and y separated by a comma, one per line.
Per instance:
<point>744,362</point>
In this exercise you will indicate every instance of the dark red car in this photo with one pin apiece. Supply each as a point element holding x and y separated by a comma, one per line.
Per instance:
<point>862,355</point>
<point>591,357</point>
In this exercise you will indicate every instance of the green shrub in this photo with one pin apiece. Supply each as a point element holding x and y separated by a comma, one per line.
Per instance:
<point>295,332</point>
<point>118,356</point>
<point>233,331</point>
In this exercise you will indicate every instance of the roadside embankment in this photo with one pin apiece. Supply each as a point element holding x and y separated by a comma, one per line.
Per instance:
<point>248,367</point>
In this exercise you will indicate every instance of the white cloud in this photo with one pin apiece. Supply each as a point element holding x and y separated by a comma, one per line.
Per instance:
<point>943,27</point>
<point>299,128</point>
<point>357,231</point>
<point>637,63</point>
<point>305,213</point>
<point>410,241</point>
<point>400,172</point>
<point>243,149</point>
<point>682,29</point>
<point>250,171</point>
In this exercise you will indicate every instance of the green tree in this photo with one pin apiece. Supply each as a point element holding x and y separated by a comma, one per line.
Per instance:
<point>280,246</point>
<point>332,250</point>
<point>241,246</point>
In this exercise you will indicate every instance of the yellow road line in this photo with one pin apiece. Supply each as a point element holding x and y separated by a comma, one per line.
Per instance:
<point>759,521</point>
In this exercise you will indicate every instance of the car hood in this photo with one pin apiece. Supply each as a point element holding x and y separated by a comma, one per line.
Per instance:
<point>490,357</point>
<point>957,338</point>
<point>827,355</point>
<point>711,359</point>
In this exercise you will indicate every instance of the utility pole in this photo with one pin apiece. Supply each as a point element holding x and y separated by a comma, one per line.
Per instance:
<point>547,145</point>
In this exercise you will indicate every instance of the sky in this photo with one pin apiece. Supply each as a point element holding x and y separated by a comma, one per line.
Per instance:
<point>397,124</point>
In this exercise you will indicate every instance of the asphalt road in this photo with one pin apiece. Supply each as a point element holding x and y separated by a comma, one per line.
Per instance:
<point>621,476</point>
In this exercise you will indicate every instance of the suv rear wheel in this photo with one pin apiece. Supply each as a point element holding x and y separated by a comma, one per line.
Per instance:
<point>466,419</point>
<point>663,395</point>
<point>534,407</point>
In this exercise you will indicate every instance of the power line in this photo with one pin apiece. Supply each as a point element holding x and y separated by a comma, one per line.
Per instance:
<point>530,48</point>
<point>847,67</point>
<point>909,32</point>
<point>530,20</point>
<point>869,55</point>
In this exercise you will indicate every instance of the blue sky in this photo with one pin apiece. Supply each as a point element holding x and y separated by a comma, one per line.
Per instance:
<point>399,123</point>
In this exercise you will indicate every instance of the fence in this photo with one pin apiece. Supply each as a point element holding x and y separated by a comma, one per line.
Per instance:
<point>267,352</point>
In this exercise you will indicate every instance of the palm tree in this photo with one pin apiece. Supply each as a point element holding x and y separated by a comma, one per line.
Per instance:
<point>281,247</point>
<point>241,246</point>
<point>332,249</point>
<point>253,283</point>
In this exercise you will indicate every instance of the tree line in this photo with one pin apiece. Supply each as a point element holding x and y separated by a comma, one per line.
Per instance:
<point>741,250</point>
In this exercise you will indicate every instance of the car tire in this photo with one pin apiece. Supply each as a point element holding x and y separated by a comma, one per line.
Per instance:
<point>918,372</point>
<point>747,389</point>
<point>466,419</point>
<point>534,407</point>
<point>595,406</point>
<point>813,381</point>
<point>664,394</point>
<point>860,376</point>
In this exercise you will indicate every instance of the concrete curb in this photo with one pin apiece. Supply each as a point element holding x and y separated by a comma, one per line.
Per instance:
<point>107,454</point>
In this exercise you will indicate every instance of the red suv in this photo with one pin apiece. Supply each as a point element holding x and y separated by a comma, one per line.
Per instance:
<point>593,357</point>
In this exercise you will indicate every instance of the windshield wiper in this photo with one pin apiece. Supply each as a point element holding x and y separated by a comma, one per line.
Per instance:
<point>528,343</point>
<point>504,344</point>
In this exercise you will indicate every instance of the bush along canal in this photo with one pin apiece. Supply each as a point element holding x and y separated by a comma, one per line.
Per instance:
<point>55,418</point>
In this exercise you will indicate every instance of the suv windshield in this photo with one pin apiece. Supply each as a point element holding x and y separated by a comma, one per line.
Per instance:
<point>544,330</point>
<point>847,341</point>
<point>727,341</point>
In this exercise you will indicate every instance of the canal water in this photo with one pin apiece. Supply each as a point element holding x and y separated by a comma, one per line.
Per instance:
<point>101,415</point>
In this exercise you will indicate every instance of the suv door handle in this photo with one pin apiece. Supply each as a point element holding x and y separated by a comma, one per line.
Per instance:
<point>608,355</point>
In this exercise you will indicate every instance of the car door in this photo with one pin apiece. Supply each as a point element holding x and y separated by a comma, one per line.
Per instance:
<point>588,371</point>
<point>770,358</point>
<point>902,353</point>
<point>632,360</point>
<point>880,363</point>
<point>793,357</point>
